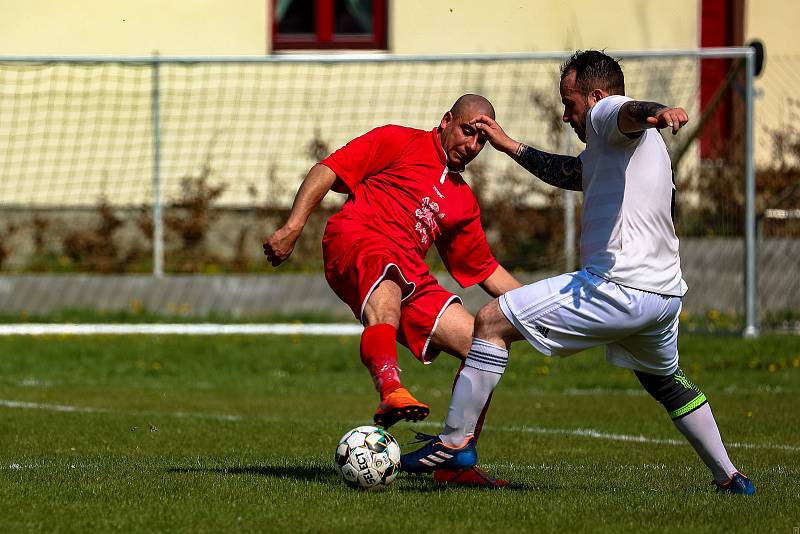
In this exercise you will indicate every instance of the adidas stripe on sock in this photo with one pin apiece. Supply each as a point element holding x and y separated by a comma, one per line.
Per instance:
<point>483,368</point>
<point>486,357</point>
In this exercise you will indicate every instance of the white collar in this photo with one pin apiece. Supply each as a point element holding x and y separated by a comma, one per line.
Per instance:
<point>444,173</point>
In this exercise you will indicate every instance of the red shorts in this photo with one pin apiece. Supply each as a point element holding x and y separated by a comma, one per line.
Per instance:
<point>354,268</point>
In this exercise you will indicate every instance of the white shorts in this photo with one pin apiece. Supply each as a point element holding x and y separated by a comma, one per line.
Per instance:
<point>572,312</point>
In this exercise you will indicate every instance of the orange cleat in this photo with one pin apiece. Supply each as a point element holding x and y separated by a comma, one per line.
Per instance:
<point>399,405</point>
<point>469,476</point>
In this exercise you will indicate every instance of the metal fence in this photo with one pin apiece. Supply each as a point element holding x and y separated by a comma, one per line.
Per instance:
<point>133,132</point>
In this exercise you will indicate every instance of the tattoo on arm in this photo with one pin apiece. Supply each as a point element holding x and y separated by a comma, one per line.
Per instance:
<point>565,172</point>
<point>639,110</point>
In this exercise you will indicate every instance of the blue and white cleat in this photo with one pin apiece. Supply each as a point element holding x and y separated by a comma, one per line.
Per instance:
<point>436,455</point>
<point>737,485</point>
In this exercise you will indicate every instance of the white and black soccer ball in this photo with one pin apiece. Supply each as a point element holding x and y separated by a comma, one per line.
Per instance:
<point>368,457</point>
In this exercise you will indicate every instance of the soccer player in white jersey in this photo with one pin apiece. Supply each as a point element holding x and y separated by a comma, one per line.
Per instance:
<point>627,294</point>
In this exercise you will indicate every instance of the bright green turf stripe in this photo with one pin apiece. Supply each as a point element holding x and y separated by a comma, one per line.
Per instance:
<point>691,405</point>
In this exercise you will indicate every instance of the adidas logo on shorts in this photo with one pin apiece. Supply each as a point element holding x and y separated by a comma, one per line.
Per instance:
<point>542,329</point>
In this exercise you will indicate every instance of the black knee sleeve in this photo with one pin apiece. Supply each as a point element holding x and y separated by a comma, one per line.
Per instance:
<point>677,393</point>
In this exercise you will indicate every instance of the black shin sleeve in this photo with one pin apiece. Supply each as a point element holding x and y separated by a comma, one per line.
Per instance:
<point>677,393</point>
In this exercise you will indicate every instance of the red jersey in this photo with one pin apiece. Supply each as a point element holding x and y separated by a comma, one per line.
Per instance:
<point>399,186</point>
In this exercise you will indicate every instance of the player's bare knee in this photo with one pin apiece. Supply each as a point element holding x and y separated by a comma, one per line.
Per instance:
<point>383,305</point>
<point>492,325</point>
<point>379,315</point>
<point>453,332</point>
<point>460,345</point>
<point>484,323</point>
<point>675,392</point>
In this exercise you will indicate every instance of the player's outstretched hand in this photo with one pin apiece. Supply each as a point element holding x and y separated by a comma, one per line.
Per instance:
<point>279,246</point>
<point>673,118</point>
<point>495,134</point>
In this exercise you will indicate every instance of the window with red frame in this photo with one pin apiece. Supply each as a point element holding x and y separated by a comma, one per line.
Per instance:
<point>328,24</point>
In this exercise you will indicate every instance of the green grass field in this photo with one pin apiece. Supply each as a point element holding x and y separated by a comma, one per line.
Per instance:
<point>219,434</point>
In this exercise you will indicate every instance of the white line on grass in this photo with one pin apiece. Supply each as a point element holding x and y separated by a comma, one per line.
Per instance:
<point>596,434</point>
<point>578,432</point>
<point>587,392</point>
<point>88,409</point>
<point>321,329</point>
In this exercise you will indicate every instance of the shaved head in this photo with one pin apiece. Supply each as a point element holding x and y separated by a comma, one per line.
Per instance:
<point>461,140</point>
<point>470,105</point>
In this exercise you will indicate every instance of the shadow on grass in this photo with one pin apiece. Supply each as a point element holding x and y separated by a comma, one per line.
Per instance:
<point>297,472</point>
<point>411,484</point>
<point>428,486</point>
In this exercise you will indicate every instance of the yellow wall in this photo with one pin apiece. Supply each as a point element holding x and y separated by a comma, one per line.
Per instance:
<point>133,27</point>
<point>775,22</point>
<point>422,26</point>
<point>777,107</point>
<point>216,27</point>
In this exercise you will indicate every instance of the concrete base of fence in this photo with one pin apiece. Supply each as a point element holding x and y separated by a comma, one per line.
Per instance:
<point>712,268</point>
<point>193,295</point>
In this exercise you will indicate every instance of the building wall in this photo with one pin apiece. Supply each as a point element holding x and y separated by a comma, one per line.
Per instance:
<point>211,27</point>
<point>420,26</point>
<point>771,20</point>
<point>133,27</point>
<point>777,107</point>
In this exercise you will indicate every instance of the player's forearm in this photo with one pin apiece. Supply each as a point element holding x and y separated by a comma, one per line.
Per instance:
<point>315,186</point>
<point>633,115</point>
<point>499,282</point>
<point>565,172</point>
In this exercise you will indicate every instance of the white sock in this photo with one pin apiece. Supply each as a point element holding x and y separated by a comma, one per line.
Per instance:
<point>483,368</point>
<point>701,430</point>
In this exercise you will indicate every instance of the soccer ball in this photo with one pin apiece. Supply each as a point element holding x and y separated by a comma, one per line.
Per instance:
<point>368,457</point>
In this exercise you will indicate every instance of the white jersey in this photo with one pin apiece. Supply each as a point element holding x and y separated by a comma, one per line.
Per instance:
<point>627,234</point>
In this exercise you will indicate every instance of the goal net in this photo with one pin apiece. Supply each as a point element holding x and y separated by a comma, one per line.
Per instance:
<point>91,147</point>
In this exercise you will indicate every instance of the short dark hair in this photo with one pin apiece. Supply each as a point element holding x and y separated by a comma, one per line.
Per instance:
<point>595,70</point>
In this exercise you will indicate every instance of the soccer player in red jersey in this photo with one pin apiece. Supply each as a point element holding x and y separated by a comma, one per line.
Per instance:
<point>405,194</point>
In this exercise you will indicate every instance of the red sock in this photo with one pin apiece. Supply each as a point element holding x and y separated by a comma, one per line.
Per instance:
<point>479,424</point>
<point>379,356</point>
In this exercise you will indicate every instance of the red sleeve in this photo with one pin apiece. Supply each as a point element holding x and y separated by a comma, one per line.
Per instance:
<point>465,252</point>
<point>364,156</point>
